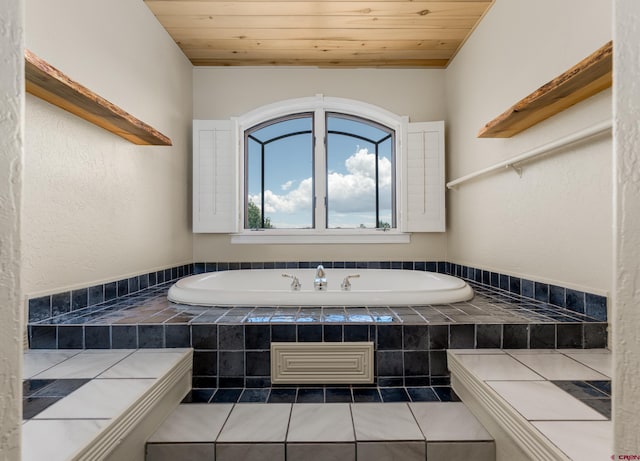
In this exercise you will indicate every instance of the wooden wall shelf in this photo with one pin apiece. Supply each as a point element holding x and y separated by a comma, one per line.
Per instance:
<point>48,83</point>
<point>590,76</point>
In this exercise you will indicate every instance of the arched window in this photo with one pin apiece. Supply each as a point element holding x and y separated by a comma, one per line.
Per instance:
<point>318,170</point>
<point>352,187</point>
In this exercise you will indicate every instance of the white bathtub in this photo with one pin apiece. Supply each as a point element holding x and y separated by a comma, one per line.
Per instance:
<point>267,287</point>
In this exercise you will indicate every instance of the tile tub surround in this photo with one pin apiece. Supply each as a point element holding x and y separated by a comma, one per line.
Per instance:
<point>232,343</point>
<point>589,304</point>
<point>544,401</point>
<point>46,307</point>
<point>107,405</point>
<point>310,432</point>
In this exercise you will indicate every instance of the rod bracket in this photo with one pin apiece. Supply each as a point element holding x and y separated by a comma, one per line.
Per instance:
<point>517,169</point>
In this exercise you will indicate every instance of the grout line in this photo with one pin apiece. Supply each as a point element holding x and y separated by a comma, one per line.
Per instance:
<point>54,365</point>
<point>588,366</point>
<point>415,420</point>
<point>215,440</point>
<point>286,434</point>
<point>353,427</point>
<point>116,363</point>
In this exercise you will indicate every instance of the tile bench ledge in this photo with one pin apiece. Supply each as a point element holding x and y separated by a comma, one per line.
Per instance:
<point>120,437</point>
<point>516,436</point>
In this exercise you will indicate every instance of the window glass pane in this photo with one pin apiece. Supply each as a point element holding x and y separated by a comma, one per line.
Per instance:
<point>359,174</point>
<point>280,174</point>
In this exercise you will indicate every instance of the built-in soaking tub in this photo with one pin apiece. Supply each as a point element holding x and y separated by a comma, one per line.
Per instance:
<point>370,287</point>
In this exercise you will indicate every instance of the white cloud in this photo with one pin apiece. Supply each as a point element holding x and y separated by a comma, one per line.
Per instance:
<point>291,202</point>
<point>355,191</point>
<point>349,193</point>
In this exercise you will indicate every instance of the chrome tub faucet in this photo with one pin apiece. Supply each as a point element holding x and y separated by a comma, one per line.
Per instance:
<point>320,281</point>
<point>295,283</point>
<point>346,284</point>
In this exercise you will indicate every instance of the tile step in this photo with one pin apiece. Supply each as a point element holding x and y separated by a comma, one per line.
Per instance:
<point>309,432</point>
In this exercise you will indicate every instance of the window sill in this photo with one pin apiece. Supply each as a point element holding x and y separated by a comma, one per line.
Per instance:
<point>305,237</point>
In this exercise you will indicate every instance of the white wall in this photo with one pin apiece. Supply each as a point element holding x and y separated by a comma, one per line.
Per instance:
<point>97,207</point>
<point>11,144</point>
<point>626,315</point>
<point>220,93</point>
<point>554,223</point>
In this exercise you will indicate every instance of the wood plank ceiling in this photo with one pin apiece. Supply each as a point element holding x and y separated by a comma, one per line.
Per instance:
<point>350,33</point>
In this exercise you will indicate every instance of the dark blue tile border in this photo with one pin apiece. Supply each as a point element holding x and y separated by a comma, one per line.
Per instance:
<point>489,336</point>
<point>43,337</point>
<point>596,306</point>
<point>39,308</point>
<point>584,303</point>
<point>124,336</point>
<point>60,303</point>
<point>70,337</point>
<point>177,336</point>
<point>45,307</point>
<point>97,336</point>
<point>151,336</point>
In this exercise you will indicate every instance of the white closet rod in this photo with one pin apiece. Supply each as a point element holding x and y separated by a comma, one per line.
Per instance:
<point>594,130</point>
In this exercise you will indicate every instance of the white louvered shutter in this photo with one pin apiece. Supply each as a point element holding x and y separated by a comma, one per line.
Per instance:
<point>215,176</point>
<point>424,176</point>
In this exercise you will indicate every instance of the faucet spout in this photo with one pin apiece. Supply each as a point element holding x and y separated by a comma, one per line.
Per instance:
<point>320,281</point>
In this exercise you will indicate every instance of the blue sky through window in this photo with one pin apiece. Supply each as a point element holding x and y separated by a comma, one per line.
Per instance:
<point>288,173</point>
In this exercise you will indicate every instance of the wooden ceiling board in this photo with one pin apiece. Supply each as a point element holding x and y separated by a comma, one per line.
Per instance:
<point>197,45</point>
<point>383,33</point>
<point>322,22</point>
<point>327,63</point>
<point>317,8</point>
<point>318,34</point>
<point>318,55</point>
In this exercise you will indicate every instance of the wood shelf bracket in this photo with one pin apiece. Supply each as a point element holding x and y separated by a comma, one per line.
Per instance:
<point>590,76</point>
<point>50,84</point>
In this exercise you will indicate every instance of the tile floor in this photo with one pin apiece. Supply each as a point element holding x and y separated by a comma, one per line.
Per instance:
<point>70,396</point>
<point>308,432</point>
<point>565,394</point>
